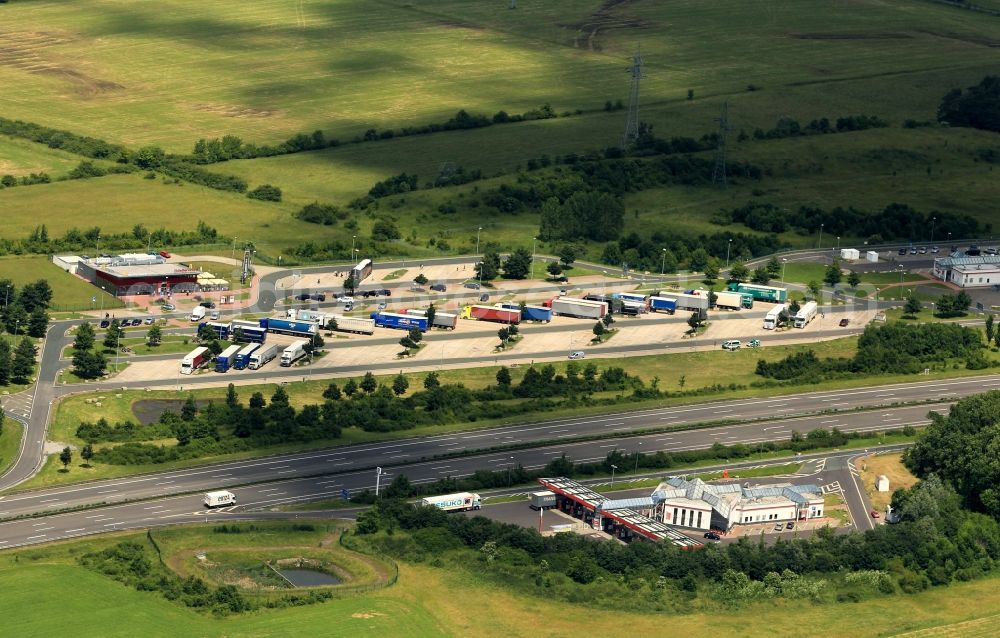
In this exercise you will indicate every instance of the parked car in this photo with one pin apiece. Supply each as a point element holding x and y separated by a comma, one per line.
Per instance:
<point>923,250</point>
<point>382,306</point>
<point>302,296</point>
<point>789,525</point>
<point>208,304</point>
<point>164,254</point>
<point>562,292</point>
<point>875,514</point>
<point>579,354</point>
<point>753,343</point>
<point>484,297</point>
<point>913,250</point>
<point>472,285</point>
<point>439,287</point>
<point>149,321</point>
<point>713,536</point>
<point>990,251</point>
<point>732,344</point>
<point>844,322</point>
<point>778,527</point>
<point>214,316</point>
<point>386,292</point>
<point>345,299</point>
<point>319,296</point>
<point>137,322</point>
<point>902,251</point>
<point>169,306</point>
<point>349,307</point>
<point>369,293</point>
<point>105,323</point>
<point>935,249</point>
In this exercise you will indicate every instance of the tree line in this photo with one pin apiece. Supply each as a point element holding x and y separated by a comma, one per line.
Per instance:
<point>24,315</point>
<point>85,240</point>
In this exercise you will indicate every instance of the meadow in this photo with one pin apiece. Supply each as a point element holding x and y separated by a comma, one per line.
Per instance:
<point>19,157</point>
<point>68,291</point>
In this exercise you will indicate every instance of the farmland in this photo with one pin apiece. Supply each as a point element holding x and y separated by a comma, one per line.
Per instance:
<point>68,292</point>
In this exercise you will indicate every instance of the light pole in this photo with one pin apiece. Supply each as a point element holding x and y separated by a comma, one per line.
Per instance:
<point>933,219</point>
<point>354,239</point>
<point>533,241</point>
<point>949,239</point>
<point>819,244</point>
<point>378,479</point>
<point>118,345</point>
<point>477,240</point>
<point>637,454</point>
<point>663,262</point>
<point>613,468</point>
<point>728,246</point>
<point>784,262</point>
<point>234,248</point>
<point>6,297</point>
<point>510,466</point>
<point>838,242</point>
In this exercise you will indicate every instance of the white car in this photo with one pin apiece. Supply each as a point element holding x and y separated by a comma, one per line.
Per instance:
<point>345,299</point>
<point>579,354</point>
<point>732,344</point>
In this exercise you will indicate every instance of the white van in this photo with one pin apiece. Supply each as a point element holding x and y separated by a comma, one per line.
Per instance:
<point>220,498</point>
<point>198,313</point>
<point>732,344</point>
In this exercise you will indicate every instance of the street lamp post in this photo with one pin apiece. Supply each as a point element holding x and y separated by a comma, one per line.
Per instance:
<point>478,232</point>
<point>234,248</point>
<point>728,246</point>
<point>613,468</point>
<point>510,466</point>
<point>819,244</point>
<point>354,239</point>
<point>637,454</point>
<point>663,262</point>
<point>784,262</point>
<point>933,220</point>
<point>378,479</point>
<point>838,242</point>
<point>118,346</point>
<point>533,241</point>
<point>6,297</point>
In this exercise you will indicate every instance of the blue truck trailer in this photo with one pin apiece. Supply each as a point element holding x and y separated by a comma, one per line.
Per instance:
<point>248,331</point>
<point>529,313</point>
<point>289,327</point>
<point>225,360</point>
<point>399,321</point>
<point>665,304</point>
<point>221,329</point>
<point>242,359</point>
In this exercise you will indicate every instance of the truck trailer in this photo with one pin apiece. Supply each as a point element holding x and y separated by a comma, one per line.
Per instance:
<point>542,500</point>
<point>293,353</point>
<point>288,327</point>
<point>360,272</point>
<point>247,331</point>
<point>263,355</point>
<point>311,316</point>
<point>227,358</point>
<point>772,316</point>
<point>761,293</point>
<point>733,300</point>
<point>461,502</point>
<point>219,498</point>
<point>631,297</point>
<point>242,359</point>
<point>399,321</point>
<point>580,308</point>
<point>692,301</point>
<point>194,360</point>
<point>491,313</point>
<point>529,313</point>
<point>805,314</point>
<point>221,329</point>
<point>665,304</point>
<point>358,325</point>
<point>198,313</point>
<point>441,319</point>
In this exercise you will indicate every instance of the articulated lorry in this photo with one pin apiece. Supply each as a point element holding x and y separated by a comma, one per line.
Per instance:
<point>358,325</point>
<point>761,293</point>
<point>773,315</point>
<point>264,355</point>
<point>226,359</point>
<point>542,500</point>
<point>696,300</point>
<point>242,359</point>
<point>288,327</point>
<point>461,502</point>
<point>529,313</point>
<point>580,308</point>
<point>242,331</point>
<point>441,319</point>
<point>293,353</point>
<point>221,329</point>
<point>491,313</point>
<point>805,314</point>
<point>665,304</point>
<point>632,298</point>
<point>399,321</point>
<point>194,360</point>
<point>733,300</point>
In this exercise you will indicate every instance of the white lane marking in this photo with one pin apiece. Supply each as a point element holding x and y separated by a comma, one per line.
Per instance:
<point>286,471</point>
<point>48,500</point>
<point>440,467</point>
<point>107,491</point>
<point>33,537</point>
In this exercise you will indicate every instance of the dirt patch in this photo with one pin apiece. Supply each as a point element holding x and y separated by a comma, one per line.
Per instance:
<point>23,50</point>
<point>366,614</point>
<point>231,110</point>
<point>851,36</point>
<point>587,33</point>
<point>148,411</point>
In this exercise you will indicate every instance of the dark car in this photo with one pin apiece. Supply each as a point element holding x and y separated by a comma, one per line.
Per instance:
<point>472,285</point>
<point>844,322</point>
<point>318,297</point>
<point>913,251</point>
<point>368,293</point>
<point>439,287</point>
<point>902,251</point>
<point>105,323</point>
<point>713,536</point>
<point>484,297</point>
<point>136,322</point>
<point>789,525</point>
<point>386,292</point>
<point>210,304</point>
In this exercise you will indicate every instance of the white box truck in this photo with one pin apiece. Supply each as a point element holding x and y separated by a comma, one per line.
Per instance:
<point>293,353</point>
<point>263,355</point>
<point>542,500</point>
<point>461,502</point>
<point>219,498</point>
<point>198,313</point>
<point>806,314</point>
<point>771,318</point>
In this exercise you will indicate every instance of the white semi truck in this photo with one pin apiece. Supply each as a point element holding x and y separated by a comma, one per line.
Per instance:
<point>293,353</point>
<point>263,355</point>
<point>806,314</point>
<point>460,502</point>
<point>772,316</point>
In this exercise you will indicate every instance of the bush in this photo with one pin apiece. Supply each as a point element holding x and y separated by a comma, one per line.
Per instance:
<point>266,192</point>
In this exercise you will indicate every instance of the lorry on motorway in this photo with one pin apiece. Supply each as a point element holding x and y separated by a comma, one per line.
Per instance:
<point>805,314</point>
<point>773,315</point>
<point>441,319</point>
<point>399,321</point>
<point>227,358</point>
<point>263,355</point>
<point>198,313</point>
<point>694,300</point>
<point>194,360</point>
<point>761,293</point>
<point>242,359</point>
<point>580,308</point>
<point>666,304</point>
<point>219,498</point>
<point>293,353</point>
<point>289,327</point>
<point>733,300</point>
<point>542,500</point>
<point>529,313</point>
<point>250,331</point>
<point>359,325</point>
<point>491,313</point>
<point>460,502</point>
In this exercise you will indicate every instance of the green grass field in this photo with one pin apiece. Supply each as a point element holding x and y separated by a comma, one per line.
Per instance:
<point>10,442</point>
<point>19,157</point>
<point>68,291</point>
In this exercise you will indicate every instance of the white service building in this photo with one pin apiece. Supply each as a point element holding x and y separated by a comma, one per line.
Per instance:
<point>850,254</point>
<point>871,256</point>
<point>969,272</point>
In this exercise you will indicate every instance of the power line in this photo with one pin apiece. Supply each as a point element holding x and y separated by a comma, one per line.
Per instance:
<point>632,121</point>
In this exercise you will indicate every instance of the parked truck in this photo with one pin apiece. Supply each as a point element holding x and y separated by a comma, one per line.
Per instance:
<point>221,329</point>
<point>633,298</point>
<point>194,360</point>
<point>697,300</point>
<point>441,319</point>
<point>773,315</point>
<point>542,500</point>
<point>311,316</point>
<point>219,498</point>
<point>288,327</point>
<point>460,502</point>
<point>805,314</point>
<point>358,325</point>
<point>264,355</point>
<point>293,353</point>
<point>242,359</point>
<point>248,331</point>
<point>733,300</point>
<point>399,321</point>
<point>198,313</point>
<point>580,308</point>
<point>529,313</point>
<point>226,359</point>
<point>491,313</point>
<point>664,304</point>
<point>761,293</point>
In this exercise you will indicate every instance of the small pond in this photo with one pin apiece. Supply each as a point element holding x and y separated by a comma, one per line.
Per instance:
<point>308,577</point>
